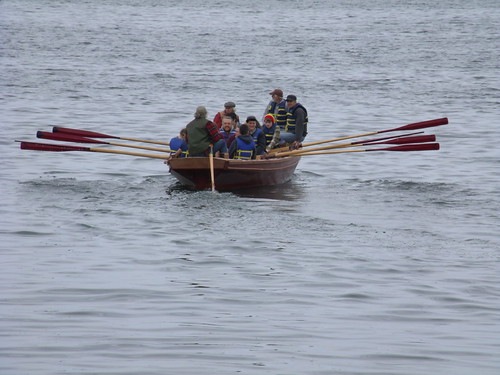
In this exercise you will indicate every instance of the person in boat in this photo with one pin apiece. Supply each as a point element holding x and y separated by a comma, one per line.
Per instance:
<point>296,123</point>
<point>277,107</point>
<point>179,145</point>
<point>271,132</point>
<point>243,146</point>
<point>234,136</point>
<point>227,129</point>
<point>229,108</point>
<point>257,134</point>
<point>202,133</point>
<point>235,118</point>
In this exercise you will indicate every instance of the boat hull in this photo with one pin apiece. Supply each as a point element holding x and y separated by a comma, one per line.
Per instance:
<point>230,174</point>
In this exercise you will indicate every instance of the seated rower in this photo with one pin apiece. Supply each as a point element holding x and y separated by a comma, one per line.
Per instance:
<point>179,145</point>
<point>202,134</point>
<point>227,129</point>
<point>257,134</point>
<point>296,123</point>
<point>243,147</point>
<point>229,109</point>
<point>234,136</point>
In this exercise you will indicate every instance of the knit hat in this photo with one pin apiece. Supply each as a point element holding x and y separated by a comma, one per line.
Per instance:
<point>269,117</point>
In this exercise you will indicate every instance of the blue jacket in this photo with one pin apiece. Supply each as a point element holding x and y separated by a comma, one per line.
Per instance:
<point>177,143</point>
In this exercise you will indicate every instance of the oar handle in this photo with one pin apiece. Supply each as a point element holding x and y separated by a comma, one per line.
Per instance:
<point>211,163</point>
<point>145,141</point>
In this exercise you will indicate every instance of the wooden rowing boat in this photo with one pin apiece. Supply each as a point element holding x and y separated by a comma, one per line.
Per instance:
<point>226,174</point>
<point>230,174</point>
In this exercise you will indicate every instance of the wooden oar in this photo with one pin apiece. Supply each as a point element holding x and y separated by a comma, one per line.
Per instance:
<point>397,141</point>
<point>78,139</point>
<point>86,133</point>
<point>418,147</point>
<point>54,147</point>
<point>211,160</point>
<point>413,126</point>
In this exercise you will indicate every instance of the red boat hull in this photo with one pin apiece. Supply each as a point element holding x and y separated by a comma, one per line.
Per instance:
<point>232,174</point>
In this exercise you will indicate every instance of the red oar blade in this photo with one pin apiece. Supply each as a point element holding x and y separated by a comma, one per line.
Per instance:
<point>419,125</point>
<point>66,137</point>
<point>406,140</point>
<point>50,147</point>
<point>384,138</point>
<point>80,133</point>
<point>419,147</point>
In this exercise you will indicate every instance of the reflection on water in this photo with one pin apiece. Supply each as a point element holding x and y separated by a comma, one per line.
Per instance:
<point>290,191</point>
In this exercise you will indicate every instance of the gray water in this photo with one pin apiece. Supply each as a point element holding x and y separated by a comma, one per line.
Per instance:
<point>366,263</point>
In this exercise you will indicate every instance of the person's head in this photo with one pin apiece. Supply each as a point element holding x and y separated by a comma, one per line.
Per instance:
<point>243,129</point>
<point>234,118</point>
<point>229,107</point>
<point>251,122</point>
<point>201,112</point>
<point>227,123</point>
<point>183,133</point>
<point>277,95</point>
<point>268,120</point>
<point>291,100</point>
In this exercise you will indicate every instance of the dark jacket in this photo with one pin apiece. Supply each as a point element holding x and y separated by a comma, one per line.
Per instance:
<point>260,141</point>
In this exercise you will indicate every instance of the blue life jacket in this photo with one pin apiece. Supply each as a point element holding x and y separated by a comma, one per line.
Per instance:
<point>244,150</point>
<point>290,120</point>
<point>256,134</point>
<point>176,144</point>
<point>281,115</point>
<point>269,133</point>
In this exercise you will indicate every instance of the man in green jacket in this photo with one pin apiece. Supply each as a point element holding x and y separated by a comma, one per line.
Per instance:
<point>202,133</point>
